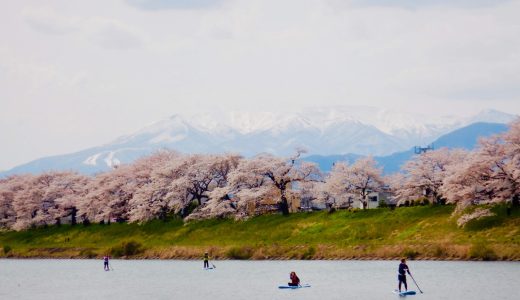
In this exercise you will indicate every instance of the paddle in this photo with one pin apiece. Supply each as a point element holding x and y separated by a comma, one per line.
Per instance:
<point>213,266</point>
<point>415,282</point>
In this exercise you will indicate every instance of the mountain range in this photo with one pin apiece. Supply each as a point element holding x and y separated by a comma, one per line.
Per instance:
<point>462,138</point>
<point>343,131</point>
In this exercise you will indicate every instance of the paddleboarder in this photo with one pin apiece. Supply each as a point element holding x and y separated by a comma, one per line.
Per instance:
<point>105,263</point>
<point>295,281</point>
<point>401,276</point>
<point>206,260</point>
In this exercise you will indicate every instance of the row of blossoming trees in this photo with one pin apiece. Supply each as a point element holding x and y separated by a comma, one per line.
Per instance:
<point>208,186</point>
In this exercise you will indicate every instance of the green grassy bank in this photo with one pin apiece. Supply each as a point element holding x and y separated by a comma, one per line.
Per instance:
<point>416,232</point>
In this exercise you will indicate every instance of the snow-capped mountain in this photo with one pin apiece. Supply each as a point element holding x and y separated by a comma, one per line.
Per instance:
<point>463,138</point>
<point>321,130</point>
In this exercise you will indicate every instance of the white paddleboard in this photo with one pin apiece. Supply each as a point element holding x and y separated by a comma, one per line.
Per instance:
<point>294,287</point>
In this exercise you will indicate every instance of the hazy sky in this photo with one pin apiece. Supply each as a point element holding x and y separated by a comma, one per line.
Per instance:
<point>75,74</point>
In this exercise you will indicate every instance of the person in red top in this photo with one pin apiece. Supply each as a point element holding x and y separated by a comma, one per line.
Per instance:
<point>295,281</point>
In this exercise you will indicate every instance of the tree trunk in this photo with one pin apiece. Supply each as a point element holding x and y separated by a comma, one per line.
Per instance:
<point>516,200</point>
<point>162,214</point>
<point>73,216</point>
<point>284,206</point>
<point>437,199</point>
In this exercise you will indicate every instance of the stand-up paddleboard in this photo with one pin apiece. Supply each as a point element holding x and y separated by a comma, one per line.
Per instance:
<point>210,268</point>
<point>404,293</point>
<point>294,287</point>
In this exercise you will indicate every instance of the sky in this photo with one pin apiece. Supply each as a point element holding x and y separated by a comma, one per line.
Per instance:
<point>77,74</point>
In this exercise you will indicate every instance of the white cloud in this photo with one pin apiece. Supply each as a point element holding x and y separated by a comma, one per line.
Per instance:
<point>64,78</point>
<point>35,75</point>
<point>48,21</point>
<point>421,4</point>
<point>105,32</point>
<point>174,4</point>
<point>113,34</point>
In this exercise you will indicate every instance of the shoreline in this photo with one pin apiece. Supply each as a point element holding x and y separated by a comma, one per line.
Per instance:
<point>224,256</point>
<point>269,259</point>
<point>418,233</point>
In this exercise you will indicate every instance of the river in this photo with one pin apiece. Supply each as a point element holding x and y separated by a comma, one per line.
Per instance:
<point>174,279</point>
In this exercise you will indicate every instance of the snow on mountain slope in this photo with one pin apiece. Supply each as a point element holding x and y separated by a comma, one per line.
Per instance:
<point>462,138</point>
<point>321,130</point>
<point>490,116</point>
<point>409,129</point>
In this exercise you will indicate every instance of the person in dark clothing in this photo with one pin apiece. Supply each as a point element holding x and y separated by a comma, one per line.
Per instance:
<point>295,281</point>
<point>206,260</point>
<point>401,274</point>
<point>105,263</point>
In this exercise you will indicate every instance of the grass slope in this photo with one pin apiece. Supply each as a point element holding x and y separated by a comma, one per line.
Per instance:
<point>426,232</point>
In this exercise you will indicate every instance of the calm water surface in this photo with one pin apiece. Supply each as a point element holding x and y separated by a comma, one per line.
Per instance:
<point>171,279</point>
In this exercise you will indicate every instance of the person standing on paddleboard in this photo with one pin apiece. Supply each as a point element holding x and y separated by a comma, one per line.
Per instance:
<point>401,276</point>
<point>105,263</point>
<point>295,281</point>
<point>206,260</point>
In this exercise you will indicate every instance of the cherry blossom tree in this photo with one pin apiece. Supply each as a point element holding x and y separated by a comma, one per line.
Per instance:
<point>357,180</point>
<point>424,174</point>
<point>46,198</point>
<point>9,187</point>
<point>264,175</point>
<point>222,165</point>
<point>111,193</point>
<point>160,195</point>
<point>67,189</point>
<point>466,182</point>
<point>491,173</point>
<point>195,181</point>
<point>29,203</point>
<point>108,195</point>
<point>395,183</point>
<point>219,205</point>
<point>506,172</point>
<point>180,181</point>
<point>319,192</point>
<point>204,174</point>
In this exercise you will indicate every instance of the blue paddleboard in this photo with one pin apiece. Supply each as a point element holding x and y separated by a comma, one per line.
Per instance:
<point>293,287</point>
<point>404,293</point>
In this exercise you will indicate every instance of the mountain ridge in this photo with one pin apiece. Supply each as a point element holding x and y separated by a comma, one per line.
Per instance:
<point>462,138</point>
<point>323,131</point>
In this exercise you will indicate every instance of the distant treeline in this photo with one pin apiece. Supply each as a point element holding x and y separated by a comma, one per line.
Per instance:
<point>207,186</point>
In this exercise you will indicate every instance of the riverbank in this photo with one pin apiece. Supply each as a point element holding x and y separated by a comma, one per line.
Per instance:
<point>425,232</point>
